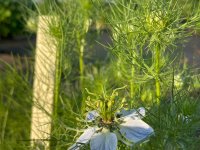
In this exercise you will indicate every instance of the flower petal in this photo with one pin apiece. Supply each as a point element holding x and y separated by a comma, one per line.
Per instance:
<point>135,130</point>
<point>139,113</point>
<point>105,140</point>
<point>128,112</point>
<point>92,115</point>
<point>83,139</point>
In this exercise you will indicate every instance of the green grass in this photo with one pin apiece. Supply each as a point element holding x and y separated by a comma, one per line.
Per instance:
<point>15,108</point>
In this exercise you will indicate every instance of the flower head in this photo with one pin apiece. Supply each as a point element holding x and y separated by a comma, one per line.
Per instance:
<point>109,122</point>
<point>127,127</point>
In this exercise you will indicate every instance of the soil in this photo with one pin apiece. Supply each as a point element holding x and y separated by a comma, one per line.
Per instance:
<point>23,46</point>
<point>13,48</point>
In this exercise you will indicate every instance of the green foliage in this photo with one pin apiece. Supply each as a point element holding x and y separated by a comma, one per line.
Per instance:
<point>15,106</point>
<point>145,36</point>
<point>175,123</point>
<point>12,14</point>
<point>107,105</point>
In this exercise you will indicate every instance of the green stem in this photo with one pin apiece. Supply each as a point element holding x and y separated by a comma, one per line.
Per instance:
<point>131,82</point>
<point>81,62</point>
<point>157,67</point>
<point>4,126</point>
<point>132,93</point>
<point>132,85</point>
<point>81,52</point>
<point>57,81</point>
<point>81,71</point>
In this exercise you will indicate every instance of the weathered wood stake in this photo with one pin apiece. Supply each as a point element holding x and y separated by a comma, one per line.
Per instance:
<point>43,87</point>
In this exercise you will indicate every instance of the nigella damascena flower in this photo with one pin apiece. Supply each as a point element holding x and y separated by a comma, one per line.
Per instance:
<point>126,127</point>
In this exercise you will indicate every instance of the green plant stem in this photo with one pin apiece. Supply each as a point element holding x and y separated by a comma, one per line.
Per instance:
<point>132,93</point>
<point>81,53</point>
<point>4,126</point>
<point>57,82</point>
<point>81,70</point>
<point>131,82</point>
<point>56,94</point>
<point>157,67</point>
<point>81,62</point>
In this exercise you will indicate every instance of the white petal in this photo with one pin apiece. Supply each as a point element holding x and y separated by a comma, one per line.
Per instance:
<point>131,112</point>
<point>86,136</point>
<point>83,139</point>
<point>105,140</point>
<point>141,111</point>
<point>92,115</point>
<point>74,147</point>
<point>135,130</point>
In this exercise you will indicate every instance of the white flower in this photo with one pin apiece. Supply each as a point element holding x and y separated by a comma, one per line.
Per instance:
<point>178,81</point>
<point>131,129</point>
<point>104,140</point>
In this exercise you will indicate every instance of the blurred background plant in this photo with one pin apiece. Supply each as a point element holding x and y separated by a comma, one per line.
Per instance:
<point>12,17</point>
<point>15,104</point>
<point>145,36</point>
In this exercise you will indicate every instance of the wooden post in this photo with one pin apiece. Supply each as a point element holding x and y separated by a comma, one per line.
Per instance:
<point>43,87</point>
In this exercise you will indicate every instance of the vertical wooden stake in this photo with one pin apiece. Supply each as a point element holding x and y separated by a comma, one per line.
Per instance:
<point>43,87</point>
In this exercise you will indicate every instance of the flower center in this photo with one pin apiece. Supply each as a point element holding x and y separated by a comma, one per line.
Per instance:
<point>111,125</point>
